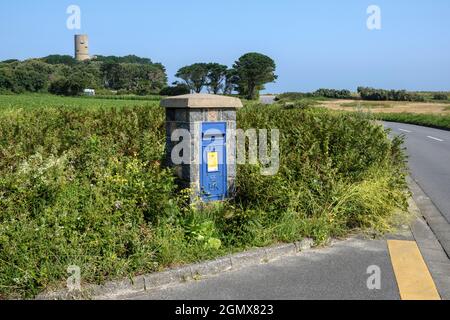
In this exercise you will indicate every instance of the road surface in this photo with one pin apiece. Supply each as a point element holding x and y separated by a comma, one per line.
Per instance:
<point>429,161</point>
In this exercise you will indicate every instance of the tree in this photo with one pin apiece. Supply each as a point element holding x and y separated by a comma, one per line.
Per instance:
<point>111,72</point>
<point>32,76</point>
<point>176,90</point>
<point>125,59</point>
<point>216,76</point>
<point>59,59</point>
<point>7,79</point>
<point>231,81</point>
<point>72,85</point>
<point>154,75</point>
<point>254,71</point>
<point>195,76</point>
<point>133,77</point>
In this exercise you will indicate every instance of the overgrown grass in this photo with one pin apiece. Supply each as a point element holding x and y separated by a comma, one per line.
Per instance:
<point>366,104</point>
<point>84,184</point>
<point>441,121</point>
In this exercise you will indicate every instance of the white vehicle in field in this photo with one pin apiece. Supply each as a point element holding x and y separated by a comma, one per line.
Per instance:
<point>89,92</point>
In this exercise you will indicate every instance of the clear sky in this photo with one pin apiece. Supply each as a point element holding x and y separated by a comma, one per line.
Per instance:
<point>320,43</point>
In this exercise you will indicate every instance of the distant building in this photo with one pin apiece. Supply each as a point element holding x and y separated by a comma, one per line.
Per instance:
<point>82,47</point>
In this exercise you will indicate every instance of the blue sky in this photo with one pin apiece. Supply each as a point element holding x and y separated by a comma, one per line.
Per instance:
<point>321,43</point>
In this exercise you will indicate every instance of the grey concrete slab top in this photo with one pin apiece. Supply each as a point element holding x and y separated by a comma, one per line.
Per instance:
<point>202,101</point>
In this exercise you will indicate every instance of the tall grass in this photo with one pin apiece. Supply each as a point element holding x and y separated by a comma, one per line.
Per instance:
<point>441,121</point>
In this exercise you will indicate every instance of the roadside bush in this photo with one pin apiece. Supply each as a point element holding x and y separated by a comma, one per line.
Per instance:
<point>86,187</point>
<point>345,173</point>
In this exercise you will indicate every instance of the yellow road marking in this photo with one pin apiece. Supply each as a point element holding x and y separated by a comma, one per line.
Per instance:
<point>413,277</point>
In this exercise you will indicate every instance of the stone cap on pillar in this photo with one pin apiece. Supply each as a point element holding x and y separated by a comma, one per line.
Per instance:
<point>201,101</point>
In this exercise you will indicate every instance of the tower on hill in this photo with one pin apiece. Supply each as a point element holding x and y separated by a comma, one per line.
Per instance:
<point>82,47</point>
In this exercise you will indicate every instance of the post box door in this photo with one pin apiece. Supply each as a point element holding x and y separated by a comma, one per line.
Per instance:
<point>213,175</point>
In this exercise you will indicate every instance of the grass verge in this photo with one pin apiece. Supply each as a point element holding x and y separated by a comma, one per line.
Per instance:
<point>428,120</point>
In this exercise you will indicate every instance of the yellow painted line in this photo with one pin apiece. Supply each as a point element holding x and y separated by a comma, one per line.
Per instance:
<point>413,277</point>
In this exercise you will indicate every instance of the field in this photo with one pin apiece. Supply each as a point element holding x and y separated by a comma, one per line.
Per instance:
<point>33,101</point>
<point>431,114</point>
<point>82,182</point>
<point>390,106</point>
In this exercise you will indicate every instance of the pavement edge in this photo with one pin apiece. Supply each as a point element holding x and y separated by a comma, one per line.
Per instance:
<point>427,230</point>
<point>144,283</point>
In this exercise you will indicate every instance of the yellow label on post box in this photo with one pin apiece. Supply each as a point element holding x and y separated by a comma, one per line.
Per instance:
<point>213,161</point>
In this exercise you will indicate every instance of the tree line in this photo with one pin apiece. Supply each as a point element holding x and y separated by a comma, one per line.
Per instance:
<point>366,93</point>
<point>249,74</point>
<point>320,93</point>
<point>391,95</point>
<point>62,74</point>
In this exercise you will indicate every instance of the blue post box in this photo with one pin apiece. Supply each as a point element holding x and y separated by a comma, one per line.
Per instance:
<point>209,166</point>
<point>213,167</point>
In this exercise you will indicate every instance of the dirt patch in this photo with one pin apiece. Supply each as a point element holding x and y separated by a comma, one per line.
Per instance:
<point>388,106</point>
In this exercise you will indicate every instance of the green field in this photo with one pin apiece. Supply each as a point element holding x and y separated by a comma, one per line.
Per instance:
<point>32,101</point>
<point>82,183</point>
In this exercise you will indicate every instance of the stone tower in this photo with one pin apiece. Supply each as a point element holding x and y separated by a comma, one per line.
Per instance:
<point>81,47</point>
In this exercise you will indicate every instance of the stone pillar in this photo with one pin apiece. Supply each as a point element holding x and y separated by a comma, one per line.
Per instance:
<point>191,112</point>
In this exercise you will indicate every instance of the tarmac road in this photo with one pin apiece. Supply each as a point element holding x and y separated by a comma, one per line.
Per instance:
<point>429,161</point>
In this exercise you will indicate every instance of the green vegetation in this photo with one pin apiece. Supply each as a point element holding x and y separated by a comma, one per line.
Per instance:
<point>428,120</point>
<point>321,93</point>
<point>333,94</point>
<point>200,75</point>
<point>392,95</point>
<point>253,71</point>
<point>13,103</point>
<point>248,76</point>
<point>82,183</point>
<point>195,76</point>
<point>63,75</point>
<point>369,94</point>
<point>176,90</point>
<point>440,96</point>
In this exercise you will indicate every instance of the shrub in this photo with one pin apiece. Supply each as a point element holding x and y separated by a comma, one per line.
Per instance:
<point>384,95</point>
<point>321,93</point>
<point>440,96</point>
<point>177,90</point>
<point>333,94</point>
